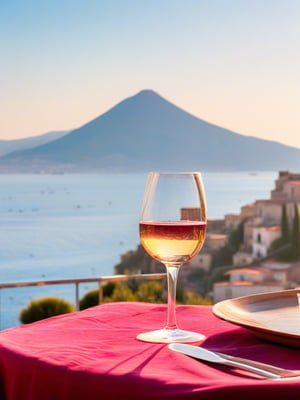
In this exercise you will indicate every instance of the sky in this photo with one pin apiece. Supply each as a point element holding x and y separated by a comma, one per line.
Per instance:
<point>234,63</point>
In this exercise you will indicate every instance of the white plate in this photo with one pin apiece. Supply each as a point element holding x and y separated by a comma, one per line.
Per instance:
<point>271,316</point>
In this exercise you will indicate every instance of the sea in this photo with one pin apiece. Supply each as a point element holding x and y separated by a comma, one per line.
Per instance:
<point>68,226</point>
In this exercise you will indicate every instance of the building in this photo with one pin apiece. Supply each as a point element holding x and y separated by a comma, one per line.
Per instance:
<point>247,281</point>
<point>263,218</point>
<point>232,221</point>
<point>263,237</point>
<point>251,275</point>
<point>202,261</point>
<point>281,272</point>
<point>287,186</point>
<point>215,241</point>
<point>242,258</point>
<point>224,291</point>
<point>262,225</point>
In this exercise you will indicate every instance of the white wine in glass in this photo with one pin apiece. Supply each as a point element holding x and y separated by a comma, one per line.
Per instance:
<point>172,231</point>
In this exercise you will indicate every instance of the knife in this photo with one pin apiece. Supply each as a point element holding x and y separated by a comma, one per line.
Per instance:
<point>258,368</point>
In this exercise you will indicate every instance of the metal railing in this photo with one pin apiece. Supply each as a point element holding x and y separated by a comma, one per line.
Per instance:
<point>77,282</point>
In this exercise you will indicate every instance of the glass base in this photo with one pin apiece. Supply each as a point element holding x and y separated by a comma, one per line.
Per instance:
<point>170,336</point>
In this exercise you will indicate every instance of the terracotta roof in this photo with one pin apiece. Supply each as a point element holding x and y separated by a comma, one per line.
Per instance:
<point>216,236</point>
<point>243,270</point>
<point>270,228</point>
<point>221,284</point>
<point>237,283</point>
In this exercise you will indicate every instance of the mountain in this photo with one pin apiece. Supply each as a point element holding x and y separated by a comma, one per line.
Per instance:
<point>8,146</point>
<point>146,132</point>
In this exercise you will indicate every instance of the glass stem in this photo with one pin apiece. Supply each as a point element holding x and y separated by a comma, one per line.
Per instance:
<point>172,275</point>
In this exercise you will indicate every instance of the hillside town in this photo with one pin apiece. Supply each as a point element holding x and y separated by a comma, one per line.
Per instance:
<point>255,269</point>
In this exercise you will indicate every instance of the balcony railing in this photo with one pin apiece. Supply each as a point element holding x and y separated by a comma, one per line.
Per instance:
<point>77,282</point>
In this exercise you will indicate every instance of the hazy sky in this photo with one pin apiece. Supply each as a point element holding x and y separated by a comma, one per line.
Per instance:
<point>235,63</point>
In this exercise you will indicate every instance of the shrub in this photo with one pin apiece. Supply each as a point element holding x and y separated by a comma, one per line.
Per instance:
<point>132,290</point>
<point>91,298</point>
<point>122,293</point>
<point>108,288</point>
<point>45,307</point>
<point>151,291</point>
<point>195,299</point>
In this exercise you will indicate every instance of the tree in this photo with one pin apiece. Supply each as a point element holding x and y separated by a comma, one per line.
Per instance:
<point>287,247</point>
<point>285,231</point>
<point>222,256</point>
<point>295,240</point>
<point>281,247</point>
<point>236,237</point>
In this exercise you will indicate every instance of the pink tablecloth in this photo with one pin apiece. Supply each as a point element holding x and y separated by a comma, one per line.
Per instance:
<point>93,354</point>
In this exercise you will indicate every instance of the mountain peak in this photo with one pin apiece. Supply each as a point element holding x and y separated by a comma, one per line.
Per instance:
<point>148,98</point>
<point>147,92</point>
<point>148,95</point>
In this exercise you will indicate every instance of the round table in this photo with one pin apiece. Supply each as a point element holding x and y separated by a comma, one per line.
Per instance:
<point>95,354</point>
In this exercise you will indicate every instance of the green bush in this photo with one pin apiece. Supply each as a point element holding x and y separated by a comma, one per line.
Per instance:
<point>122,293</point>
<point>108,289</point>
<point>91,298</point>
<point>151,291</point>
<point>45,307</point>
<point>195,299</point>
<point>132,290</point>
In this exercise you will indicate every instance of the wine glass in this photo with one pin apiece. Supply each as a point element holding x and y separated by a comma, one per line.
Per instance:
<point>172,231</point>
